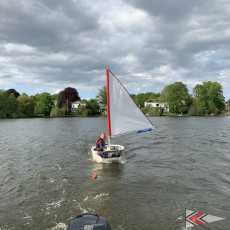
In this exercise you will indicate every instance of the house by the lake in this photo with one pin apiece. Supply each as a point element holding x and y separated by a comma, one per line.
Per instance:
<point>103,109</point>
<point>76,104</point>
<point>155,103</point>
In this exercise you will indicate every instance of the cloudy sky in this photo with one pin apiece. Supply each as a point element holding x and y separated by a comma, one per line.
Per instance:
<point>48,45</point>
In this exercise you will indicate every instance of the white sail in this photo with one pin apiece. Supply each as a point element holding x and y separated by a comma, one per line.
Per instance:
<point>124,115</point>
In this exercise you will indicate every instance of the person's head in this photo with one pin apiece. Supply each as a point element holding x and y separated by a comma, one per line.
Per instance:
<point>102,135</point>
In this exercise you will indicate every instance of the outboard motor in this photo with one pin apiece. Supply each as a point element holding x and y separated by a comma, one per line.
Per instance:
<point>89,221</point>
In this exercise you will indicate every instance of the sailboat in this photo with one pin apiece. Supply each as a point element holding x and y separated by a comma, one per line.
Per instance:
<point>123,117</point>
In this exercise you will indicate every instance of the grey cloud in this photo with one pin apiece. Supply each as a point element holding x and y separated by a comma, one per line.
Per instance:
<point>171,11</point>
<point>187,27</point>
<point>45,24</point>
<point>6,76</point>
<point>73,41</point>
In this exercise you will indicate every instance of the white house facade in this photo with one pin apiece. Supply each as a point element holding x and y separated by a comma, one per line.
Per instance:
<point>156,104</point>
<point>103,109</point>
<point>76,104</point>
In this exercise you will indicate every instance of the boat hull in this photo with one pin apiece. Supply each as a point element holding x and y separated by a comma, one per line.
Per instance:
<point>89,221</point>
<point>114,148</point>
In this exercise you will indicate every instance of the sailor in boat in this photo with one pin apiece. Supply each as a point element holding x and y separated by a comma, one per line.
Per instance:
<point>100,144</point>
<point>100,147</point>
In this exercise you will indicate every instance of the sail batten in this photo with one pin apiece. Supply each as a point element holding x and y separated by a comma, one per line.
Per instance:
<point>124,116</point>
<point>145,130</point>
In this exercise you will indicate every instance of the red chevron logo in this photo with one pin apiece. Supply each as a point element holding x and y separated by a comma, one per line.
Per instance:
<point>195,218</point>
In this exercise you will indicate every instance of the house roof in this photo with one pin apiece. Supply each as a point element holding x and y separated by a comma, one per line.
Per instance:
<point>152,100</point>
<point>102,105</point>
<point>76,102</point>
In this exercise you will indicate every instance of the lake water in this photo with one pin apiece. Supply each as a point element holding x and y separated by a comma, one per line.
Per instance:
<point>46,168</point>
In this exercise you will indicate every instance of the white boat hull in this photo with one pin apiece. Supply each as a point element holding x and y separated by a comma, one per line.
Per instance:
<point>99,159</point>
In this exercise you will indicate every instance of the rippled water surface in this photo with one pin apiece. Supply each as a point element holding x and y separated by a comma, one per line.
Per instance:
<point>46,167</point>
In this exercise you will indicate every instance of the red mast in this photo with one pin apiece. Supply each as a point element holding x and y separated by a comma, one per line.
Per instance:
<point>108,105</point>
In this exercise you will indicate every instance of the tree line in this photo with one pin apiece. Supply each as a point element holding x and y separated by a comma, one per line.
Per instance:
<point>207,99</point>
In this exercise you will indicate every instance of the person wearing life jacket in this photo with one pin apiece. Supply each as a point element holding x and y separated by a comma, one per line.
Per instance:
<point>100,144</point>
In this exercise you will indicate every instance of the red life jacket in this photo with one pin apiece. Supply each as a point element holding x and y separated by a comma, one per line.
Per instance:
<point>98,144</point>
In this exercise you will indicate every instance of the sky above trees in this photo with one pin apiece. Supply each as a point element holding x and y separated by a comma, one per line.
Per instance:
<point>47,45</point>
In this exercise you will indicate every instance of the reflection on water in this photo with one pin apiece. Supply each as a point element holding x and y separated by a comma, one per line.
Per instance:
<point>46,168</point>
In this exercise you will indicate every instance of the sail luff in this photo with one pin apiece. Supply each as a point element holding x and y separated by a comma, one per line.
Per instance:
<point>108,104</point>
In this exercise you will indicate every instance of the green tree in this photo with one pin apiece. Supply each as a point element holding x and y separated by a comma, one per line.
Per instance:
<point>209,98</point>
<point>26,106</point>
<point>150,111</point>
<point>44,104</point>
<point>3,104</point>
<point>91,109</point>
<point>87,113</point>
<point>93,106</point>
<point>196,109</point>
<point>139,99</point>
<point>80,110</point>
<point>164,93</point>
<point>57,99</point>
<point>102,95</point>
<point>37,97</point>
<point>12,106</point>
<point>8,105</point>
<point>69,95</point>
<point>58,112</point>
<point>178,98</point>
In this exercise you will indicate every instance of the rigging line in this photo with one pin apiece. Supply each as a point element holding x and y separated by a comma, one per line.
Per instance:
<point>98,216</point>
<point>84,197</point>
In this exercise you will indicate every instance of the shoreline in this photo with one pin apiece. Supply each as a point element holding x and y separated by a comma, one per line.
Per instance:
<point>14,118</point>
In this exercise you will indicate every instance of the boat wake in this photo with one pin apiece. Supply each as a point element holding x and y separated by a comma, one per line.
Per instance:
<point>60,226</point>
<point>123,161</point>
<point>101,195</point>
